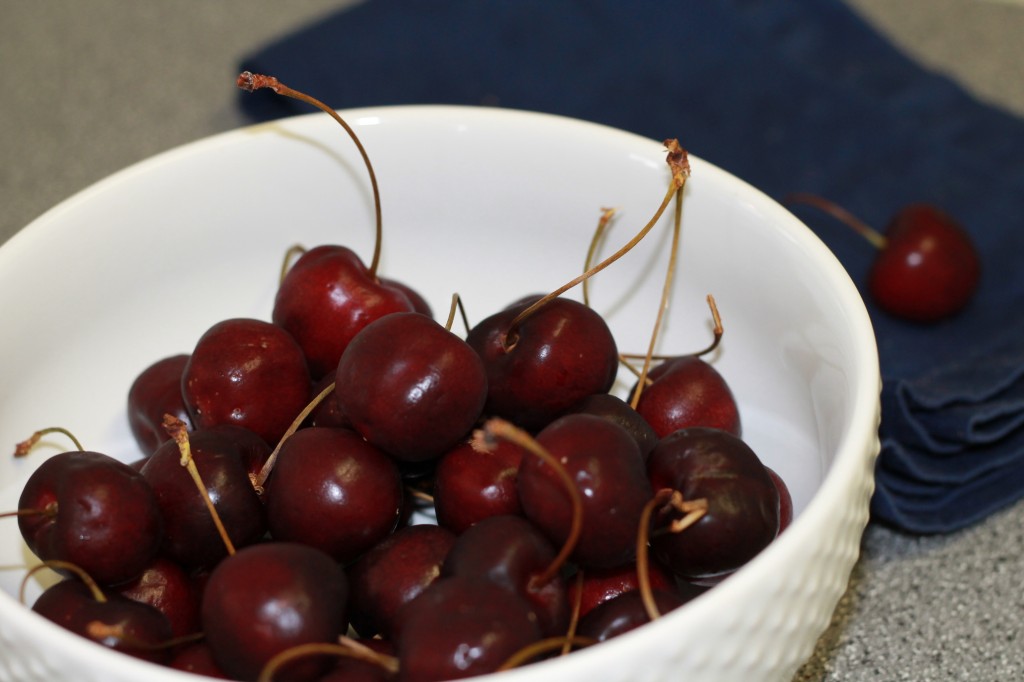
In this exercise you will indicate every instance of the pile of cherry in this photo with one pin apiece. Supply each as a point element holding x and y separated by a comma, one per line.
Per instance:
<point>269,529</point>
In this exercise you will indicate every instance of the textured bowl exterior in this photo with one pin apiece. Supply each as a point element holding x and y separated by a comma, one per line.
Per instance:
<point>811,378</point>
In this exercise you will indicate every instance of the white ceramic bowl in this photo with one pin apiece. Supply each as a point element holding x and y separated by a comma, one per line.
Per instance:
<point>492,204</point>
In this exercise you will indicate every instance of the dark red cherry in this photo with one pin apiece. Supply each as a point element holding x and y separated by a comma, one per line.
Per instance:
<point>155,392</point>
<point>116,622</point>
<point>270,597</point>
<point>191,537</point>
<point>928,268</point>
<point>605,463</point>
<point>511,552</point>
<point>97,513</point>
<point>247,373</point>
<point>554,358</point>
<point>461,627</point>
<point>601,584</point>
<point>625,612</point>
<point>166,586</point>
<point>332,490</point>
<point>687,391</point>
<point>326,298</point>
<point>470,486</point>
<point>742,517</point>
<point>392,574</point>
<point>410,386</point>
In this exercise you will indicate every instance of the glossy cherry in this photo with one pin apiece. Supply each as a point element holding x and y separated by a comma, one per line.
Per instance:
<point>545,364</point>
<point>248,373</point>
<point>742,516</point>
<point>410,386</point>
<point>166,586</point>
<point>96,512</point>
<point>128,626</point>
<point>270,597</point>
<point>155,392</point>
<point>625,612</point>
<point>927,267</point>
<point>511,552</point>
<point>326,298</point>
<point>191,537</point>
<point>687,391</point>
<point>332,490</point>
<point>392,574</point>
<point>470,485</point>
<point>460,627</point>
<point>606,465</point>
<point>599,585</point>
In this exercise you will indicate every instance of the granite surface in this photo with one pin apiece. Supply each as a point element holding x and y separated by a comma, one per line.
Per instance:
<point>91,87</point>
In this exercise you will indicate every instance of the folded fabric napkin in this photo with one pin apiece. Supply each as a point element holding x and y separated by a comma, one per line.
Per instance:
<point>790,97</point>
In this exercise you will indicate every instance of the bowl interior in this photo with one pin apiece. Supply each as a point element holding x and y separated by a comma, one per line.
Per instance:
<point>489,204</point>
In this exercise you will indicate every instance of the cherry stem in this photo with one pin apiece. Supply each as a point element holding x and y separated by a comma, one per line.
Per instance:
<point>24,447</point>
<point>251,82</point>
<point>642,549</point>
<point>58,565</point>
<point>455,306</point>
<point>876,238</point>
<point>678,162</point>
<point>346,646</point>
<point>420,495</point>
<point>606,216</point>
<point>483,440</point>
<point>665,296</point>
<point>50,510</point>
<point>718,331</point>
<point>462,314</point>
<point>178,431</point>
<point>289,257</point>
<point>668,500</point>
<point>268,466</point>
<point>624,360</point>
<point>574,615</point>
<point>531,651</point>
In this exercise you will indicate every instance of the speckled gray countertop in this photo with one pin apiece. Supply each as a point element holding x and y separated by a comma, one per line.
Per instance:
<point>91,87</point>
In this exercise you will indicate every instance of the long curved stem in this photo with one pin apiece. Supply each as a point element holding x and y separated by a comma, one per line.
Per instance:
<point>602,225</point>
<point>876,238</point>
<point>666,288</point>
<point>678,162</point>
<point>251,82</point>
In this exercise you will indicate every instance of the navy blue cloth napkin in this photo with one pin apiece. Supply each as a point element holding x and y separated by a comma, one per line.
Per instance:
<point>791,97</point>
